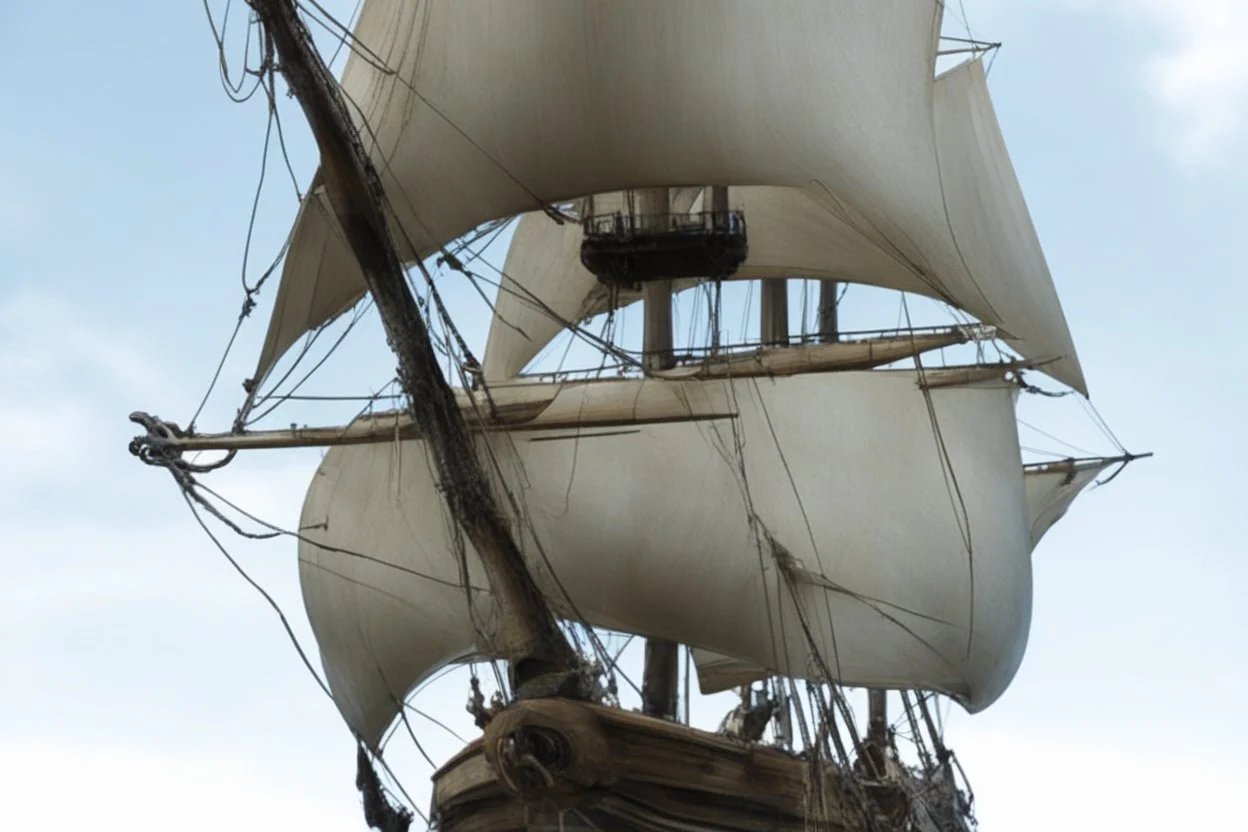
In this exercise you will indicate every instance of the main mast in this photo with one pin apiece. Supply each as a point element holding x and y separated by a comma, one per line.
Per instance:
<point>646,249</point>
<point>529,637</point>
<point>828,321</point>
<point>661,673</point>
<point>877,700</point>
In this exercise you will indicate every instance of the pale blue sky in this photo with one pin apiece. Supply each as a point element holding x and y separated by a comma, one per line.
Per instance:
<point>142,677</point>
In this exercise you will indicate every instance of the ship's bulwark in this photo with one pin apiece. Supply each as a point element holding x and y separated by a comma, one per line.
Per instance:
<point>648,531</point>
<point>612,769</point>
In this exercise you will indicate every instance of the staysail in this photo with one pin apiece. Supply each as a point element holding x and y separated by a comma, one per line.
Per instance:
<point>483,109</point>
<point>794,233</point>
<point>628,518</point>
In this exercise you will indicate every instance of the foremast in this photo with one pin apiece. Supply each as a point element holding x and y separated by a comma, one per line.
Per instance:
<point>529,636</point>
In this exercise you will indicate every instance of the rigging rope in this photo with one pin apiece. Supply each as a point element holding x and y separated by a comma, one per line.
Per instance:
<point>464,365</point>
<point>379,813</point>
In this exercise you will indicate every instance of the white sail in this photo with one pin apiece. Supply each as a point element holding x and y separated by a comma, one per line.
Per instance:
<point>1050,490</point>
<point>996,238</point>
<point>792,233</point>
<point>842,470</point>
<point>482,109</point>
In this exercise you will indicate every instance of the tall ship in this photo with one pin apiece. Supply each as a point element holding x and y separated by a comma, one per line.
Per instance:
<point>834,527</point>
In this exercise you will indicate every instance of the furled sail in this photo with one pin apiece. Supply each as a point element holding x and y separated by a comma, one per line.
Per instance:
<point>1050,490</point>
<point>793,233</point>
<point>482,109</point>
<point>843,471</point>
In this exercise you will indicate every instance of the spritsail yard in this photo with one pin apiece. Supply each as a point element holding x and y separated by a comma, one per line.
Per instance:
<point>796,514</point>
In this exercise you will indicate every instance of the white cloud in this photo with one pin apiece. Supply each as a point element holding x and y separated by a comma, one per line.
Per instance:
<point>45,342</point>
<point>114,555</point>
<point>1026,782</point>
<point>60,374</point>
<point>51,787</point>
<point>40,438</point>
<point>112,569</point>
<point>1200,73</point>
<point>1195,66</point>
<point>94,531</point>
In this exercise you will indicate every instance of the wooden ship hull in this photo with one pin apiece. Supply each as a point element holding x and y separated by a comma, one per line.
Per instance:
<point>563,765</point>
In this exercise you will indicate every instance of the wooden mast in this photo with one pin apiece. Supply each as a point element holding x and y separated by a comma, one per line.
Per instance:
<point>774,312</point>
<point>662,669</point>
<point>877,700</point>
<point>828,324</point>
<point>719,208</point>
<point>773,324</point>
<point>530,636</point>
<point>877,718</point>
<point>654,207</point>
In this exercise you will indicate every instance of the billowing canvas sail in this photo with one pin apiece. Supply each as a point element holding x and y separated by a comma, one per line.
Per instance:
<point>1050,490</point>
<point>843,471</point>
<point>794,233</point>
<point>496,107</point>
<point>785,511</point>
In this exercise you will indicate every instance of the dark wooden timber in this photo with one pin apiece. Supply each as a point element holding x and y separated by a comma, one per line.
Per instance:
<point>604,768</point>
<point>661,674</point>
<point>828,325</point>
<point>529,635</point>
<point>773,325</point>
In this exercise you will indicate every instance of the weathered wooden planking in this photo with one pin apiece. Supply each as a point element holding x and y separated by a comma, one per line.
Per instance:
<point>666,776</point>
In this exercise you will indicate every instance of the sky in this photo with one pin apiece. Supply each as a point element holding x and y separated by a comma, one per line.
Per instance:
<point>145,682</point>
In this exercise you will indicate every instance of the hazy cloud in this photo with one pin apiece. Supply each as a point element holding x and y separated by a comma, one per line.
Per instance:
<point>1127,791</point>
<point>45,340</point>
<point>123,788</point>
<point>52,365</point>
<point>1195,66</point>
<point>1199,73</point>
<point>96,529</point>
